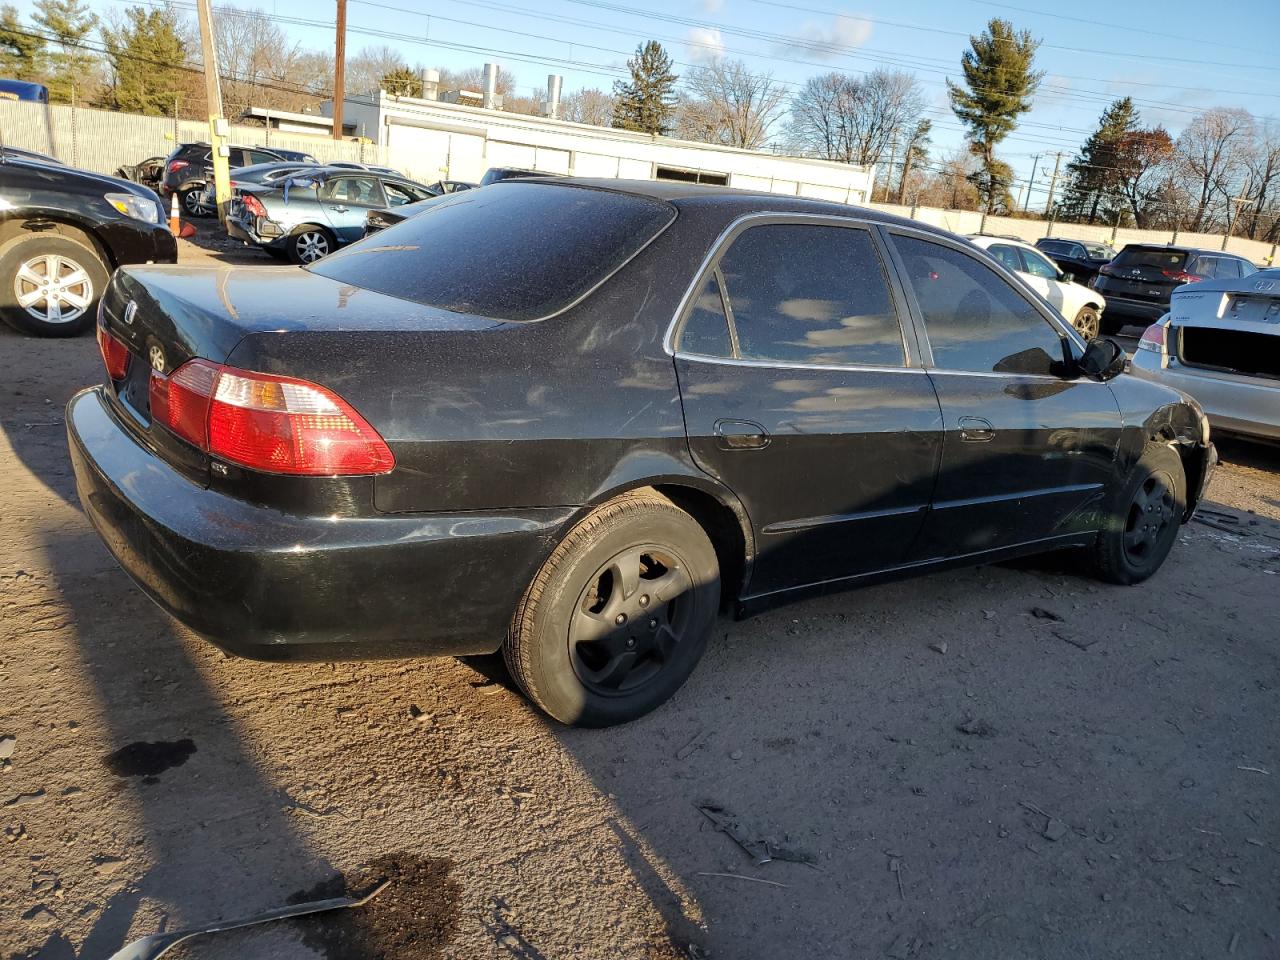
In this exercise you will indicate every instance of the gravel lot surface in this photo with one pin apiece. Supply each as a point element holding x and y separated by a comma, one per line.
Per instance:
<point>1011,761</point>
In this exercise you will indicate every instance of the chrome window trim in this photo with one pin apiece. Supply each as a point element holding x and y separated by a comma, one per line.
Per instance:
<point>743,222</point>
<point>800,365</point>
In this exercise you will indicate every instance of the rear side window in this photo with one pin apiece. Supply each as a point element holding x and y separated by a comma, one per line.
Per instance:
<point>513,251</point>
<point>1004,254</point>
<point>810,294</point>
<point>977,322</point>
<point>706,329</point>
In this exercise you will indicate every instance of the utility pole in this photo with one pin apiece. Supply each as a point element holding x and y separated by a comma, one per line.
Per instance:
<point>340,70</point>
<point>888,175</point>
<point>1035,162</point>
<point>219,151</point>
<point>1053,182</point>
<point>1234,203</point>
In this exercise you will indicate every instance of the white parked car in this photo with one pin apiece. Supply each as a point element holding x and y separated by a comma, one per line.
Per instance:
<point>1081,306</point>
<point>1220,343</point>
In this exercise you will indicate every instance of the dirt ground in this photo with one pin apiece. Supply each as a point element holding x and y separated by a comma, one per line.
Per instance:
<point>1007,762</point>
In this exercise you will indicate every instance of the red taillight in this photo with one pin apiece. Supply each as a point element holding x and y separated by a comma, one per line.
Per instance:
<point>114,354</point>
<point>176,165</point>
<point>1182,276</point>
<point>267,423</point>
<point>1153,338</point>
<point>254,206</point>
<point>1105,269</point>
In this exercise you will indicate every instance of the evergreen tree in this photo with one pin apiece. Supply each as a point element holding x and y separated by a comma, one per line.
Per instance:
<point>403,82</point>
<point>146,53</point>
<point>1095,172</point>
<point>71,65</point>
<point>648,102</point>
<point>999,84</point>
<point>22,55</point>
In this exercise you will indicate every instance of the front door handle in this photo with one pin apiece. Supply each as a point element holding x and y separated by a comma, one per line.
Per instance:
<point>339,209</point>
<point>976,430</point>
<point>741,435</point>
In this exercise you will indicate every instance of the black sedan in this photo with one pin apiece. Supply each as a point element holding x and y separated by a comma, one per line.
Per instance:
<point>1080,258</point>
<point>572,420</point>
<point>62,232</point>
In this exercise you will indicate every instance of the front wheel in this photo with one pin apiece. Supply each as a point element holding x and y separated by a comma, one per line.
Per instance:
<point>310,244</point>
<point>1088,322</point>
<point>1143,523</point>
<point>618,616</point>
<point>50,285</point>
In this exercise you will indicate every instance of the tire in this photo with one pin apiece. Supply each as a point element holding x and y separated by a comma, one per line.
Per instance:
<point>310,243</point>
<point>195,203</point>
<point>568,649</point>
<point>1142,524</point>
<point>25,266</point>
<point>1088,322</point>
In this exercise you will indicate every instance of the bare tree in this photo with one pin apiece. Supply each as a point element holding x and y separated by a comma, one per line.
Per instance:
<point>1210,154</point>
<point>854,120</point>
<point>1262,163</point>
<point>262,67</point>
<point>472,79</point>
<point>366,69</point>
<point>729,105</point>
<point>587,106</point>
<point>1141,167</point>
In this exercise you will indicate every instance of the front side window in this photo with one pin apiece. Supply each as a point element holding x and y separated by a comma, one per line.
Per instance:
<point>805,293</point>
<point>1038,266</point>
<point>977,322</point>
<point>398,196</point>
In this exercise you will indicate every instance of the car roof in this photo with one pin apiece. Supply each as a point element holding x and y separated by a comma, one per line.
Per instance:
<point>733,201</point>
<point>1179,248</point>
<point>985,240</point>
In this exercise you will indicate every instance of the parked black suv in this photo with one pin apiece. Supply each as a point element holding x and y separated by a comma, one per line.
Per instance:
<point>1080,258</point>
<point>185,172</point>
<point>1137,283</point>
<point>62,233</point>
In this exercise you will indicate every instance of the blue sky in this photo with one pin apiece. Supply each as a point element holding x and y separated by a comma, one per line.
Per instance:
<point>1170,56</point>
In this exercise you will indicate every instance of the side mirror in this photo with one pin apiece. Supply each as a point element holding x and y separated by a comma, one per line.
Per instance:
<point>1103,359</point>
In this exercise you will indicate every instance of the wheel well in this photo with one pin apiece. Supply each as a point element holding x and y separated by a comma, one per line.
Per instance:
<point>724,530</point>
<point>305,227</point>
<point>12,229</point>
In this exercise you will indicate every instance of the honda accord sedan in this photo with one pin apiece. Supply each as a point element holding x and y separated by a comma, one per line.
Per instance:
<point>574,420</point>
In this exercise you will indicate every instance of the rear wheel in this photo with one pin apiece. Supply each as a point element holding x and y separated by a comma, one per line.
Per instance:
<point>195,202</point>
<point>310,243</point>
<point>1143,523</point>
<point>50,285</point>
<point>1088,322</point>
<point>618,616</point>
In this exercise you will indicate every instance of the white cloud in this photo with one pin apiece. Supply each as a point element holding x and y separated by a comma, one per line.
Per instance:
<point>818,39</point>
<point>704,44</point>
<point>712,6</point>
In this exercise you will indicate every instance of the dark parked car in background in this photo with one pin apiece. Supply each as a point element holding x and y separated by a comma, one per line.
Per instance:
<point>17,153</point>
<point>498,174</point>
<point>308,215</point>
<point>1138,282</point>
<point>1080,258</point>
<point>62,232</point>
<point>469,438</point>
<point>185,173</point>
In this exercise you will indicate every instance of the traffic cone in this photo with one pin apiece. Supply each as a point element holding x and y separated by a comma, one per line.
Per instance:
<point>175,225</point>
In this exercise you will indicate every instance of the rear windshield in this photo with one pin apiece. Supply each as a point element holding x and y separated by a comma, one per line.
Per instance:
<point>513,251</point>
<point>1160,259</point>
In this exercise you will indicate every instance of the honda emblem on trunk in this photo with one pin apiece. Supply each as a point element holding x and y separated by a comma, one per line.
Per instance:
<point>130,311</point>
<point>1265,285</point>
<point>156,355</point>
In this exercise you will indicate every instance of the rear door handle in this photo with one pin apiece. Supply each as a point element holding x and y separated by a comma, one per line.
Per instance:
<point>976,430</point>
<point>339,209</point>
<point>741,435</point>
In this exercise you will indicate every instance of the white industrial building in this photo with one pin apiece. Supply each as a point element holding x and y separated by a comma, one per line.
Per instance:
<point>430,139</point>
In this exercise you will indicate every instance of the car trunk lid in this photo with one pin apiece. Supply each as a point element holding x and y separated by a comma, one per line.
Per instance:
<point>1229,326</point>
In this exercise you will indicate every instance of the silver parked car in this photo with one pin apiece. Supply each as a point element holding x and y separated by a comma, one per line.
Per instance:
<point>1220,343</point>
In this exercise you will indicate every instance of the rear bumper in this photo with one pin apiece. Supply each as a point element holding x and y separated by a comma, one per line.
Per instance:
<point>1233,404</point>
<point>267,585</point>
<point>1143,310</point>
<point>240,228</point>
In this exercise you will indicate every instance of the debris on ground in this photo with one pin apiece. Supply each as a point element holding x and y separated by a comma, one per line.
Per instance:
<point>739,876</point>
<point>939,647</point>
<point>7,745</point>
<point>415,918</point>
<point>904,947</point>
<point>1054,829</point>
<point>973,727</point>
<point>760,850</point>
<point>1041,613</point>
<point>688,749</point>
<point>157,944</point>
<point>26,799</point>
<point>895,867</point>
